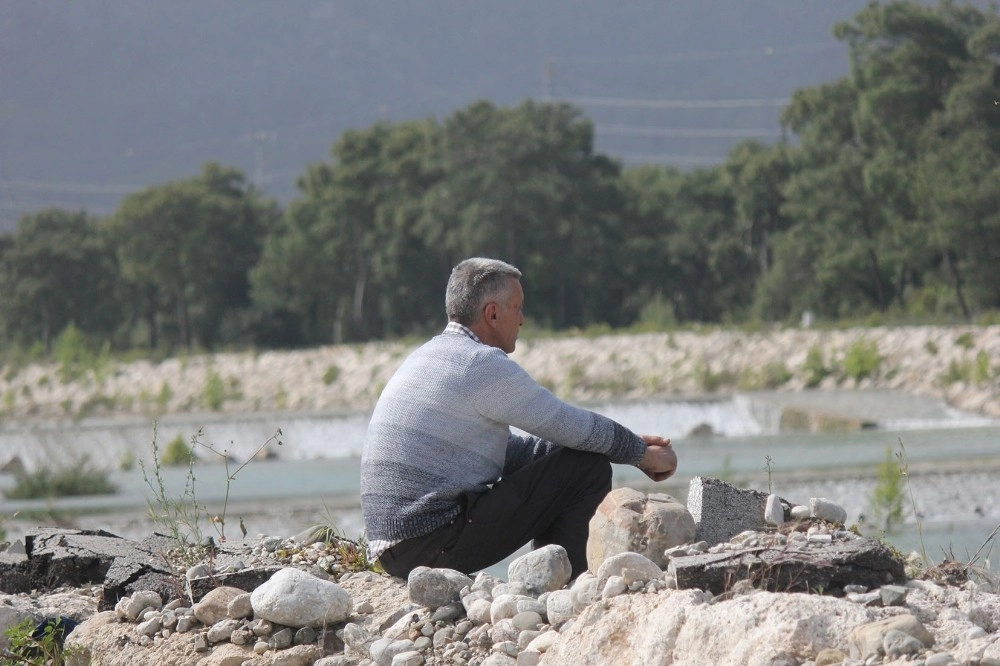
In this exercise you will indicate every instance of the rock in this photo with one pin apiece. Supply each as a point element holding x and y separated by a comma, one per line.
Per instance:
<point>541,570</point>
<point>134,606</point>
<point>214,606</point>
<point>239,606</point>
<point>774,511</point>
<point>896,644</point>
<point>682,628</point>
<point>824,509</point>
<point>434,588</point>
<point>384,650</point>
<point>297,599</point>
<point>630,521</point>
<point>893,595</point>
<point>630,566</point>
<point>559,607</point>
<point>721,511</point>
<point>867,640</point>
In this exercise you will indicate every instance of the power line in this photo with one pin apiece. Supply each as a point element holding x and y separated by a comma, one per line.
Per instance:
<point>32,185</point>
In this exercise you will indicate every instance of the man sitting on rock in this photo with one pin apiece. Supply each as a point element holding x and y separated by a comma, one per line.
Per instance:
<point>444,480</point>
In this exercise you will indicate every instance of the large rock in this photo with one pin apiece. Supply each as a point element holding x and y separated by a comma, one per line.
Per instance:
<point>827,567</point>
<point>631,521</point>
<point>682,628</point>
<point>295,598</point>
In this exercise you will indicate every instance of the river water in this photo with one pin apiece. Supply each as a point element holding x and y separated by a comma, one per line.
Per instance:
<point>314,478</point>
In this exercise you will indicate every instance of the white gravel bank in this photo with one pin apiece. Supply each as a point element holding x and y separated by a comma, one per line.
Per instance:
<point>960,365</point>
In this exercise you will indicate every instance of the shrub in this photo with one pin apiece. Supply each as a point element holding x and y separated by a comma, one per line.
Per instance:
<point>886,500</point>
<point>215,391</point>
<point>965,341</point>
<point>982,372</point>
<point>816,370</point>
<point>164,396</point>
<point>177,453</point>
<point>331,374</point>
<point>862,360</point>
<point>77,479</point>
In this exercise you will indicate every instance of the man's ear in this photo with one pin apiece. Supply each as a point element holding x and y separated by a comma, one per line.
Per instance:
<point>490,313</point>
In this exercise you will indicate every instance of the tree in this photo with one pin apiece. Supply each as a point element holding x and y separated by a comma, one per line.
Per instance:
<point>55,270</point>
<point>521,183</point>
<point>186,248</point>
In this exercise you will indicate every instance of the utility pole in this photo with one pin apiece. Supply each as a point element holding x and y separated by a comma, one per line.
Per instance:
<point>259,139</point>
<point>547,73</point>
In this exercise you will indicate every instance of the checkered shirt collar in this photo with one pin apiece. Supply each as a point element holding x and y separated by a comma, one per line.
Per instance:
<point>455,327</point>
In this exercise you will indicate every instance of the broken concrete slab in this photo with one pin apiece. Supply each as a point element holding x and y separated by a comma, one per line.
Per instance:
<point>721,510</point>
<point>65,557</point>
<point>788,568</point>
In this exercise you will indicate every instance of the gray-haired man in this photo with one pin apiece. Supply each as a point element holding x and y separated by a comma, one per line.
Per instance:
<point>444,480</point>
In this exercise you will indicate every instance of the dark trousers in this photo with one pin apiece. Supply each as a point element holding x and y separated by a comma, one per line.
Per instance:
<point>549,501</point>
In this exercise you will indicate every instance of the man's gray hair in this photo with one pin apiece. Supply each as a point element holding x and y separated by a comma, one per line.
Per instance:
<point>474,283</point>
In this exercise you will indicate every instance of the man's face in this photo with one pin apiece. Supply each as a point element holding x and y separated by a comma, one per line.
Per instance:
<point>510,316</point>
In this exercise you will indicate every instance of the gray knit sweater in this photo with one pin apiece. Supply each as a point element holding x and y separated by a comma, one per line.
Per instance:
<point>441,427</point>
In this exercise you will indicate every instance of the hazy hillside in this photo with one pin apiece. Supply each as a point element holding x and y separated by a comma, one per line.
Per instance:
<point>101,97</point>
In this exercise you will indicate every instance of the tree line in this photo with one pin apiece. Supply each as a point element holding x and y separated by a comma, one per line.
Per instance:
<point>884,198</point>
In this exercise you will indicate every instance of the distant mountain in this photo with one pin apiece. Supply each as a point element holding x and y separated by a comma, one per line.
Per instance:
<point>101,97</point>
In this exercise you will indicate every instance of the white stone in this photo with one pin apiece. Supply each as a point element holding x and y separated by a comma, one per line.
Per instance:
<point>638,566</point>
<point>559,607</point>
<point>774,511</point>
<point>297,599</point>
<point>800,512</point>
<point>824,509</point>
<point>541,570</point>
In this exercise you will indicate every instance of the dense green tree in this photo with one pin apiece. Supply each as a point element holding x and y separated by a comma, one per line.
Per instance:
<point>186,248</point>
<point>523,184</point>
<point>348,262</point>
<point>56,269</point>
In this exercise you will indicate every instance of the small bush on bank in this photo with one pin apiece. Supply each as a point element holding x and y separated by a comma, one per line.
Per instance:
<point>815,369</point>
<point>177,453</point>
<point>862,360</point>
<point>81,478</point>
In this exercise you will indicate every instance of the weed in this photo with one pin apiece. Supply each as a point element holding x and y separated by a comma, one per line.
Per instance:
<point>79,478</point>
<point>981,372</point>
<point>164,396</point>
<point>768,467</point>
<point>965,341</point>
<point>40,645</point>
<point>331,374</point>
<point>177,453</point>
<point>214,393</point>
<point>886,501</point>
<point>219,520</point>
<point>862,360</point>
<point>180,516</point>
<point>904,472</point>
<point>127,462</point>
<point>711,381</point>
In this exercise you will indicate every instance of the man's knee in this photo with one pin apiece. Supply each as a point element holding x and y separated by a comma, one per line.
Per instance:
<point>593,469</point>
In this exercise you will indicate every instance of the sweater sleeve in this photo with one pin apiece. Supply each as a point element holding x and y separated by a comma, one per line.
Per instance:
<point>505,393</point>
<point>522,450</point>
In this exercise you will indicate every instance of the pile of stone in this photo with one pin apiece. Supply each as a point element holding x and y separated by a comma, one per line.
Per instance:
<point>714,582</point>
